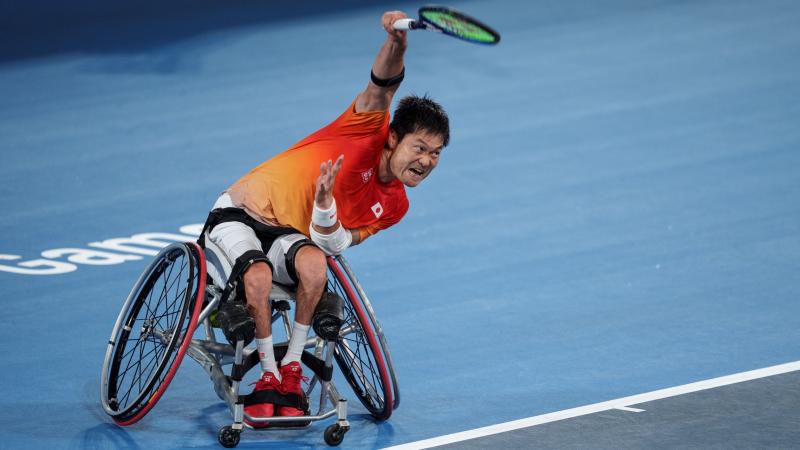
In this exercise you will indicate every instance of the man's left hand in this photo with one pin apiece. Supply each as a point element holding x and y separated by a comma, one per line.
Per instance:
<point>327,176</point>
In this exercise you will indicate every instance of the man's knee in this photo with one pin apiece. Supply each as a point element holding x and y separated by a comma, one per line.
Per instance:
<point>257,283</point>
<point>311,267</point>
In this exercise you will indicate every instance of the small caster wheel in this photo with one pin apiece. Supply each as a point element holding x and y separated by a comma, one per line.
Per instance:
<point>229,437</point>
<point>334,434</point>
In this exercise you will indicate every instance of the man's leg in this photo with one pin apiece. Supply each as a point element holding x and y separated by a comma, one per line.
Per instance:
<point>298,261</point>
<point>235,239</point>
<point>257,284</point>
<point>311,268</point>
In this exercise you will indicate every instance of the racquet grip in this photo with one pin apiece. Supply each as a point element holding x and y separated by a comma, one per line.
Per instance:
<point>405,24</point>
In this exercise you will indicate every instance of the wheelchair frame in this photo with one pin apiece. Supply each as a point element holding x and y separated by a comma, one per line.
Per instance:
<point>213,355</point>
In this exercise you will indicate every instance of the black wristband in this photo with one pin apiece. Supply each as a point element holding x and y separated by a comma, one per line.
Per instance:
<point>388,82</point>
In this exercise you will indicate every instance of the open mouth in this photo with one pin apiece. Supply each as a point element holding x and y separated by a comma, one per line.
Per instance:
<point>418,172</point>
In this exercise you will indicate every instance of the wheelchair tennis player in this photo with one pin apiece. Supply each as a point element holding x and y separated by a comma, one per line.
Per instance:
<point>333,189</point>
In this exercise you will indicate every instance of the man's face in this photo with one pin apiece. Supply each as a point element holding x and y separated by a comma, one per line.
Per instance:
<point>415,156</point>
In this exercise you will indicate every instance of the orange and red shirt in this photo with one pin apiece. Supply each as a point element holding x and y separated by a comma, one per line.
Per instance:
<point>281,190</point>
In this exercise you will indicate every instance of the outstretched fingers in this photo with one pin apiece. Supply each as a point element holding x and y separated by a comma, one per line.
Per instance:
<point>327,175</point>
<point>337,166</point>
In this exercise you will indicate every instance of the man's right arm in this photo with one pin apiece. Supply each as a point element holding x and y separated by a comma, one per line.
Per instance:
<point>388,64</point>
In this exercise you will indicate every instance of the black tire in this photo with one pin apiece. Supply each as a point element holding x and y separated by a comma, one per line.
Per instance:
<point>358,353</point>
<point>334,435</point>
<point>153,332</point>
<point>228,437</point>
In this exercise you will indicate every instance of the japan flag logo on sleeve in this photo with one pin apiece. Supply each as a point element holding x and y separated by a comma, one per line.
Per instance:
<point>377,209</point>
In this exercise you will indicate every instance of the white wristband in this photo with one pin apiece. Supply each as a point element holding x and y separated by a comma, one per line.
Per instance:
<point>324,217</point>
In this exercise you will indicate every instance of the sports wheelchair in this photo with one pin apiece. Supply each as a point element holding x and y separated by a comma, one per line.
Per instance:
<point>180,295</point>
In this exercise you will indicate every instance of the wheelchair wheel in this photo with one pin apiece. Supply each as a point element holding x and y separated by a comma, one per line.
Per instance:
<point>358,353</point>
<point>152,332</point>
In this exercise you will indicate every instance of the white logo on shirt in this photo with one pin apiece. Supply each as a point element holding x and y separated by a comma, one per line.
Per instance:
<point>366,175</point>
<point>377,209</point>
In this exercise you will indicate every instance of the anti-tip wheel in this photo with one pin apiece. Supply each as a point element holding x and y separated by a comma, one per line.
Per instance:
<point>334,434</point>
<point>229,437</point>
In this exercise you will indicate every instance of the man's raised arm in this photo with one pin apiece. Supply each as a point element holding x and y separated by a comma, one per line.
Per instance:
<point>388,70</point>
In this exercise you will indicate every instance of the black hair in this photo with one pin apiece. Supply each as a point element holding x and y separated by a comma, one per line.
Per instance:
<point>414,113</point>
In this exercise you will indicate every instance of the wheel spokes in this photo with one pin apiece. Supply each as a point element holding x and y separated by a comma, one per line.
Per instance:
<point>356,356</point>
<point>158,321</point>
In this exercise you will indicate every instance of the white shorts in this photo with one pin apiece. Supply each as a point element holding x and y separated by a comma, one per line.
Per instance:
<point>236,238</point>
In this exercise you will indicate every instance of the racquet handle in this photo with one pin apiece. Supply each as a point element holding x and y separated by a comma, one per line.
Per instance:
<point>407,24</point>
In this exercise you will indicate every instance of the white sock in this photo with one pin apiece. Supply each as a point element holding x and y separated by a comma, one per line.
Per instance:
<point>296,344</point>
<point>267,356</point>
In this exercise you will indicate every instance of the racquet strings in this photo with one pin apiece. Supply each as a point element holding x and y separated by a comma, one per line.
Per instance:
<point>460,26</point>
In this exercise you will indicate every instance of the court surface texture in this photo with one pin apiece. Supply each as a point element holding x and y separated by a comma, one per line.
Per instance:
<point>606,257</point>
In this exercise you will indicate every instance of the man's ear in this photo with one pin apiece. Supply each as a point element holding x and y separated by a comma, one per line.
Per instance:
<point>392,140</point>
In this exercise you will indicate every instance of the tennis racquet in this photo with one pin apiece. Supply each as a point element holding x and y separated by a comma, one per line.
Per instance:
<point>446,20</point>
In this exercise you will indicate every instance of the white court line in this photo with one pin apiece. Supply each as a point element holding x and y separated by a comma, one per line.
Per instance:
<point>629,409</point>
<point>620,403</point>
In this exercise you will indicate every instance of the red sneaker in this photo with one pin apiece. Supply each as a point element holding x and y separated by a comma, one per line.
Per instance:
<point>268,382</point>
<point>291,376</point>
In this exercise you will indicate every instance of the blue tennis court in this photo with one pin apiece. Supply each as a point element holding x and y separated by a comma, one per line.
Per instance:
<point>617,213</point>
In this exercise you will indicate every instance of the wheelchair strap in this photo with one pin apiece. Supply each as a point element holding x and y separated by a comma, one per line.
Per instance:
<point>241,265</point>
<point>265,233</point>
<point>276,398</point>
<point>237,324</point>
<point>291,253</point>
